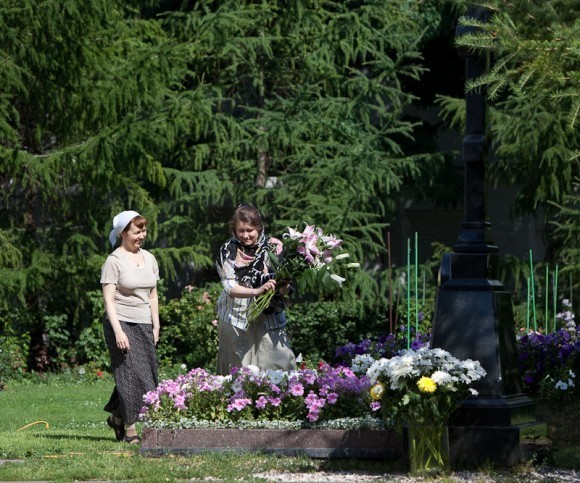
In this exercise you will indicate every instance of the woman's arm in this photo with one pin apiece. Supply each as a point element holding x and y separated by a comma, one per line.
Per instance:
<point>109,299</point>
<point>241,292</point>
<point>154,303</point>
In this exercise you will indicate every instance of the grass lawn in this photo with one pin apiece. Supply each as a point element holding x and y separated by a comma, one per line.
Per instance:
<point>78,445</point>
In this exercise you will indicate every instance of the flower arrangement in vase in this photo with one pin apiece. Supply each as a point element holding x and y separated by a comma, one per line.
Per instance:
<point>419,389</point>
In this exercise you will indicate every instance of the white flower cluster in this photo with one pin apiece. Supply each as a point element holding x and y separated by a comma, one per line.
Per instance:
<point>444,369</point>
<point>361,363</point>
<point>565,385</point>
<point>567,317</point>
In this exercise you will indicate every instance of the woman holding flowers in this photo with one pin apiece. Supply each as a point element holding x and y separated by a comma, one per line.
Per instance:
<point>243,267</point>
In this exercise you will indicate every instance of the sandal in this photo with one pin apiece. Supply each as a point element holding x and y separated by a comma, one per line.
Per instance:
<point>118,428</point>
<point>132,439</point>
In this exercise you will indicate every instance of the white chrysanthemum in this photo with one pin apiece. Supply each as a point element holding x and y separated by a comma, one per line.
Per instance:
<point>377,369</point>
<point>441,377</point>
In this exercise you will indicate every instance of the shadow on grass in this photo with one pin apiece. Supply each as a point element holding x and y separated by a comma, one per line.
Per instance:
<point>76,437</point>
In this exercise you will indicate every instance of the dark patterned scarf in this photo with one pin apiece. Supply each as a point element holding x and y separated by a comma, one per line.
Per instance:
<point>249,261</point>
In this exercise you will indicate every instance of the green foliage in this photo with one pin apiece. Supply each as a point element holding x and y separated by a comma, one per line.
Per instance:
<point>15,328</point>
<point>12,359</point>
<point>91,347</point>
<point>567,230</point>
<point>180,111</point>
<point>189,328</point>
<point>316,329</point>
<point>533,87</point>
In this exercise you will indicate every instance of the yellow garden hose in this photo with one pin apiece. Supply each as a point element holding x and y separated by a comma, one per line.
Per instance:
<point>32,424</point>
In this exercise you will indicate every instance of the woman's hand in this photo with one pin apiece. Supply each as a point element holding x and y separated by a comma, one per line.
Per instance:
<point>285,287</point>
<point>269,285</point>
<point>122,341</point>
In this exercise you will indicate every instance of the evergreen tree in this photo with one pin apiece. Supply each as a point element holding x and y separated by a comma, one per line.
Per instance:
<point>533,87</point>
<point>91,96</point>
<point>181,110</point>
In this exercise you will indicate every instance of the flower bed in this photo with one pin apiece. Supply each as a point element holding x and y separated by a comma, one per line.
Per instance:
<point>248,394</point>
<point>322,413</point>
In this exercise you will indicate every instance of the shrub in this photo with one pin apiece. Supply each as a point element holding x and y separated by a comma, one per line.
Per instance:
<point>189,328</point>
<point>317,328</point>
<point>91,346</point>
<point>14,344</point>
<point>12,359</point>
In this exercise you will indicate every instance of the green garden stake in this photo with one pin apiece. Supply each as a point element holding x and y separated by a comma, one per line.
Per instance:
<point>547,318</point>
<point>408,293</point>
<point>528,306</point>
<point>416,289</point>
<point>555,295</point>
<point>533,291</point>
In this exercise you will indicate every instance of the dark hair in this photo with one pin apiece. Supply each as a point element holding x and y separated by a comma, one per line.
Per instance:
<point>246,213</point>
<point>139,221</point>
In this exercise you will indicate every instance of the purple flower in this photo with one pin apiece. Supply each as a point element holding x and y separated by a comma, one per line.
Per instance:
<point>296,389</point>
<point>309,376</point>
<point>239,404</point>
<point>179,401</point>
<point>313,415</point>
<point>261,402</point>
<point>151,397</point>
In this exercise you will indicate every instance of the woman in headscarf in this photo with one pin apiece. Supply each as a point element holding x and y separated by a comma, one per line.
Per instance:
<point>129,281</point>
<point>242,265</point>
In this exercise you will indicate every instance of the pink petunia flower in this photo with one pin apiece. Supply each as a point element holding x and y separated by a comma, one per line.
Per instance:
<point>261,402</point>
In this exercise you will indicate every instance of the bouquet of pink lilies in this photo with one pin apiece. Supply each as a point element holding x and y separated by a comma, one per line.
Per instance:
<point>309,259</point>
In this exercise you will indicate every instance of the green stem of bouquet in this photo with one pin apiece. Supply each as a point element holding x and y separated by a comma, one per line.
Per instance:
<point>258,305</point>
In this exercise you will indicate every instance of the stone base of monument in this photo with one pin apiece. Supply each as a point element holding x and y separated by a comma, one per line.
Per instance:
<point>500,446</point>
<point>314,443</point>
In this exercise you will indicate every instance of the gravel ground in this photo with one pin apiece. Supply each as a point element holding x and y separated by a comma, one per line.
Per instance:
<point>543,474</point>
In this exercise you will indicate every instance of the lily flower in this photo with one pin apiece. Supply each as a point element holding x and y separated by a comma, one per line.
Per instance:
<point>311,245</point>
<point>309,231</point>
<point>277,245</point>
<point>293,234</point>
<point>331,241</point>
<point>337,278</point>
<point>327,256</point>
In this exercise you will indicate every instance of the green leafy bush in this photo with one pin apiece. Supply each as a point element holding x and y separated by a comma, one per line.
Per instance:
<point>12,360</point>
<point>189,332</point>
<point>14,345</point>
<point>316,329</point>
<point>91,346</point>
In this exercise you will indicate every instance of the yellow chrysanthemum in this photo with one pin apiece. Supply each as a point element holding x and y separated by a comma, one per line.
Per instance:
<point>426,384</point>
<point>377,391</point>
